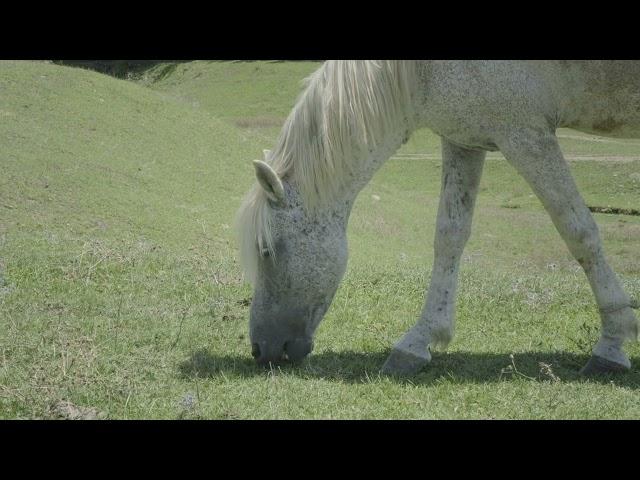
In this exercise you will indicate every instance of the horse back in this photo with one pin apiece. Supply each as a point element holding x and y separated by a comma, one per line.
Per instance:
<point>470,102</point>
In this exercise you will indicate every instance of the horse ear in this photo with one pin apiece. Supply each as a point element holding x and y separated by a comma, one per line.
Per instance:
<point>269,181</point>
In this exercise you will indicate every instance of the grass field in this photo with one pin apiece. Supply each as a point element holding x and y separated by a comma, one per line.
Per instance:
<point>121,294</point>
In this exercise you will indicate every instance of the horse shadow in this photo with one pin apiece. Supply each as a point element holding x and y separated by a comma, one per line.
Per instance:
<point>458,367</point>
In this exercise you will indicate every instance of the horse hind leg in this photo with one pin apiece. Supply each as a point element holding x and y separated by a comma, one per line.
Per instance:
<point>537,157</point>
<point>461,172</point>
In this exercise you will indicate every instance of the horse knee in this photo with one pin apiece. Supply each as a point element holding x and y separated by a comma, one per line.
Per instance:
<point>452,237</point>
<point>585,243</point>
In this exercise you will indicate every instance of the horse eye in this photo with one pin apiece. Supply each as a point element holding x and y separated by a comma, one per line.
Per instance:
<point>264,253</point>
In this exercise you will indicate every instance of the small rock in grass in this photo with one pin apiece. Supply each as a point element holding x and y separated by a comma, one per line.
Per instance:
<point>188,402</point>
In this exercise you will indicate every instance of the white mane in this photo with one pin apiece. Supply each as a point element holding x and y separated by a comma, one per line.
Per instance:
<point>345,111</point>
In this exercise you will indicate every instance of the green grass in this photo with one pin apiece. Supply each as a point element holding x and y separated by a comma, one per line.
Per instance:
<point>120,288</point>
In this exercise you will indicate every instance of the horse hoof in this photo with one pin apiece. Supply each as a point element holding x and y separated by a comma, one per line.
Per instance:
<point>600,366</point>
<point>403,363</point>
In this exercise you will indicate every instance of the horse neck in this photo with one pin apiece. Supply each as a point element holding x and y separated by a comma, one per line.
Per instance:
<point>351,119</point>
<point>376,159</point>
<point>365,168</point>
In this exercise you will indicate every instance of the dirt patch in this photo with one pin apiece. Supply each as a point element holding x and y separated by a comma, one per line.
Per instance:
<point>616,210</point>
<point>603,158</point>
<point>68,411</point>
<point>597,139</point>
<point>576,158</point>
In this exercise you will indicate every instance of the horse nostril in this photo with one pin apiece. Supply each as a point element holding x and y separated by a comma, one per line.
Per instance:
<point>297,349</point>
<point>255,350</point>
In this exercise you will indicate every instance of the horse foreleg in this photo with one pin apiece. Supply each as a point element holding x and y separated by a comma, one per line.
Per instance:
<point>461,172</point>
<point>537,157</point>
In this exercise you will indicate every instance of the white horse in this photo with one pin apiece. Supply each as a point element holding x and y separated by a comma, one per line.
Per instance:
<point>353,115</point>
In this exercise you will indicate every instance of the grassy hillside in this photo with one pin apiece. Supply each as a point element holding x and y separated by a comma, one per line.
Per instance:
<point>120,290</point>
<point>116,206</point>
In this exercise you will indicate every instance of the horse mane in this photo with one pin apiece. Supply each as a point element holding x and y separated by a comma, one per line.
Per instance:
<point>344,112</point>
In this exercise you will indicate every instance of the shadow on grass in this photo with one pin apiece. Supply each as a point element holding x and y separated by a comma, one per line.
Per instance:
<point>455,367</point>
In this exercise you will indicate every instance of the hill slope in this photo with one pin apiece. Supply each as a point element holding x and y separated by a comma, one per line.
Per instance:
<point>113,199</point>
<point>87,145</point>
